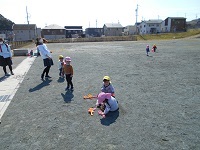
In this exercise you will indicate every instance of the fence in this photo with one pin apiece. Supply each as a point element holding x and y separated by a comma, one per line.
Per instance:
<point>18,44</point>
<point>95,39</point>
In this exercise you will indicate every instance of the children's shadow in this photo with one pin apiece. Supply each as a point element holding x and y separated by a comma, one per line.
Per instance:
<point>41,85</point>
<point>60,80</point>
<point>67,97</point>
<point>110,118</point>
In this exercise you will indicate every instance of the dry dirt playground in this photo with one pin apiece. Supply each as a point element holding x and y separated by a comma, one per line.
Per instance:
<point>159,98</point>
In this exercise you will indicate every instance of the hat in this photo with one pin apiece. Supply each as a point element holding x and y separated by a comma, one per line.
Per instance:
<point>102,96</point>
<point>68,59</point>
<point>147,45</point>
<point>106,78</point>
<point>60,56</point>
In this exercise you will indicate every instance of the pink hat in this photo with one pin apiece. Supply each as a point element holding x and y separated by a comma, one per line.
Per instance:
<point>68,59</point>
<point>102,96</point>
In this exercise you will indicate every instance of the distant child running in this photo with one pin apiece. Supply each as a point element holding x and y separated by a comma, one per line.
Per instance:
<point>109,103</point>
<point>107,86</point>
<point>154,48</point>
<point>147,50</point>
<point>60,65</point>
<point>68,71</point>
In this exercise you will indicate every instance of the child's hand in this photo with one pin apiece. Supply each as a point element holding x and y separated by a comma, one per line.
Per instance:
<point>102,114</point>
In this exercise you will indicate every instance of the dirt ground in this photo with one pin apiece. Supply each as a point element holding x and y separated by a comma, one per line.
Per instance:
<point>158,97</point>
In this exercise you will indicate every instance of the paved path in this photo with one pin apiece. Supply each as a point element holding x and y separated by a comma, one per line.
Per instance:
<point>10,84</point>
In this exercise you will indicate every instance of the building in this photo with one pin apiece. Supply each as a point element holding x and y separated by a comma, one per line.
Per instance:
<point>113,29</point>
<point>24,32</point>
<point>73,31</point>
<point>130,30</point>
<point>94,32</point>
<point>53,32</point>
<point>150,27</point>
<point>174,24</point>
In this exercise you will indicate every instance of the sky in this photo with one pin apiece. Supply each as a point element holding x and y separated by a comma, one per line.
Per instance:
<point>95,13</point>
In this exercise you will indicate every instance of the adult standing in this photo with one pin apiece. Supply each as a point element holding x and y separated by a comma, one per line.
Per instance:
<point>5,57</point>
<point>46,56</point>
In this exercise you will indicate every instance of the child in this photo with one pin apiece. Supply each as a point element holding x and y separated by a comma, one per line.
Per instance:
<point>147,50</point>
<point>107,86</point>
<point>109,102</point>
<point>60,65</point>
<point>154,48</point>
<point>68,71</point>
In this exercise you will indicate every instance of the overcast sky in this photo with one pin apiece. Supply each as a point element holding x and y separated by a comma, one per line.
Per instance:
<point>94,13</point>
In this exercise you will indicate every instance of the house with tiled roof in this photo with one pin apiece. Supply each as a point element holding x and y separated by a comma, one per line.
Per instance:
<point>113,29</point>
<point>73,31</point>
<point>150,26</point>
<point>24,32</point>
<point>53,32</point>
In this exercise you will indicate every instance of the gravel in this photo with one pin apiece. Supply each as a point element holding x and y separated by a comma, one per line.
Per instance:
<point>158,97</point>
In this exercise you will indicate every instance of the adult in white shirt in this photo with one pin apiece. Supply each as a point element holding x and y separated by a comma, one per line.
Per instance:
<point>5,57</point>
<point>46,56</point>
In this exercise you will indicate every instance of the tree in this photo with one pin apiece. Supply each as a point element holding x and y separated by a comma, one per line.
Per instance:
<point>5,24</point>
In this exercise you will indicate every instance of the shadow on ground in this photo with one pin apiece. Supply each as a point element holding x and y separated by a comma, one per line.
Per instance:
<point>60,80</point>
<point>110,118</point>
<point>41,85</point>
<point>67,97</point>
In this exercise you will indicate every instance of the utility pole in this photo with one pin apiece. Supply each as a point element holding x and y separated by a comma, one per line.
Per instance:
<point>27,17</point>
<point>136,15</point>
<point>96,23</point>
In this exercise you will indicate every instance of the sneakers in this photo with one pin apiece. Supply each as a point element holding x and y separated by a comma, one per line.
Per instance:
<point>47,76</point>
<point>12,73</point>
<point>67,88</point>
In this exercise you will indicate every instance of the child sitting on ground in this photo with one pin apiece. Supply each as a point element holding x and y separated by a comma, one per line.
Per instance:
<point>107,86</point>
<point>60,65</point>
<point>109,103</point>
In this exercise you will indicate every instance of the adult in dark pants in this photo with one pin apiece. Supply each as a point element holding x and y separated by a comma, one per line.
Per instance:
<point>5,57</point>
<point>46,56</point>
